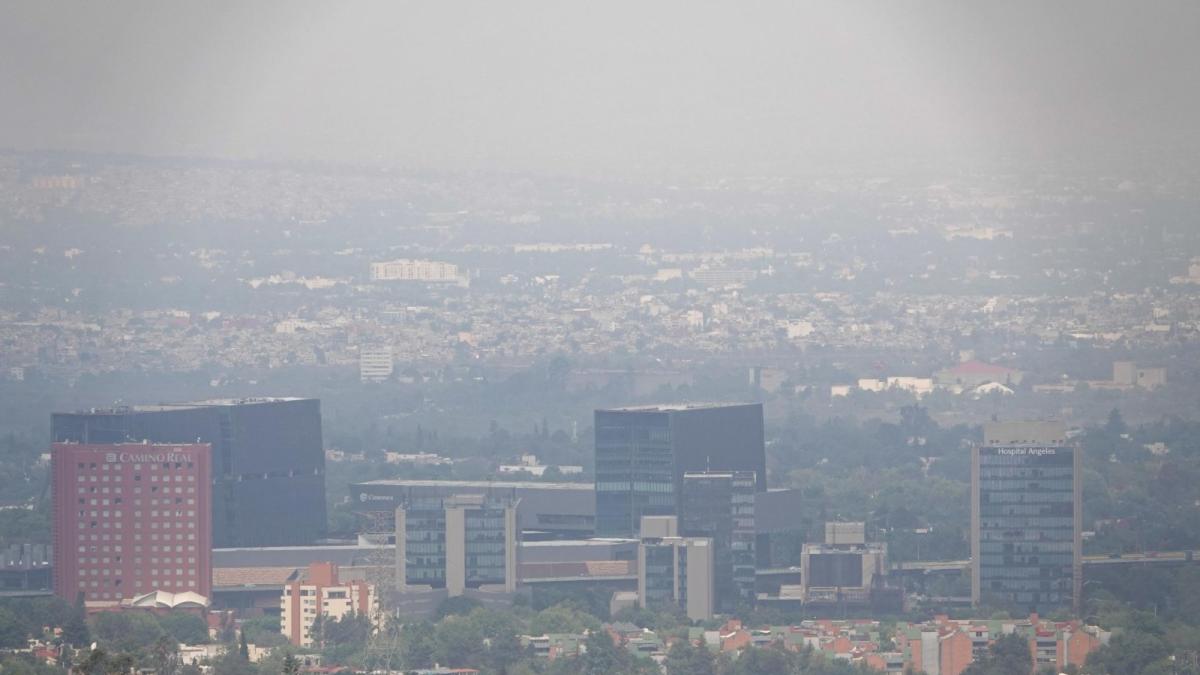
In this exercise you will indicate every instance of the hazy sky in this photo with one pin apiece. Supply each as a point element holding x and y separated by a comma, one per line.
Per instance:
<point>608,86</point>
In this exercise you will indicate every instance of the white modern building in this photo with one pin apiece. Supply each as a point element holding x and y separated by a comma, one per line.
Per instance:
<point>414,270</point>
<point>375,364</point>
<point>675,570</point>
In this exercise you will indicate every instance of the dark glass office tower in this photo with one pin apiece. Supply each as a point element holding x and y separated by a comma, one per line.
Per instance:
<point>643,452</point>
<point>1025,518</point>
<point>268,460</point>
<point>720,506</point>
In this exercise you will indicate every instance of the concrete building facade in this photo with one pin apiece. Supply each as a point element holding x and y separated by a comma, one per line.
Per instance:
<point>675,570</point>
<point>320,594</point>
<point>456,543</point>
<point>544,510</point>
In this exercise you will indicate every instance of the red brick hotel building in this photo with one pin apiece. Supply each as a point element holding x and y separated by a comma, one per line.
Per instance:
<point>131,518</point>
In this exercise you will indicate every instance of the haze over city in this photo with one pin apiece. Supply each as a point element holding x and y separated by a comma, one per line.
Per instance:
<point>825,338</point>
<point>620,89</point>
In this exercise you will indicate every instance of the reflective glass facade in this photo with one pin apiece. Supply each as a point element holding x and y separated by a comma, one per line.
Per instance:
<point>268,461</point>
<point>660,574</point>
<point>458,541</point>
<point>635,470</point>
<point>642,454</point>
<point>425,541</point>
<point>720,506</point>
<point>1025,523</point>
<point>485,545</point>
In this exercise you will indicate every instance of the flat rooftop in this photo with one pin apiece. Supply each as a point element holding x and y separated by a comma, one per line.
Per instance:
<point>565,543</point>
<point>190,405</point>
<point>675,407</point>
<point>522,485</point>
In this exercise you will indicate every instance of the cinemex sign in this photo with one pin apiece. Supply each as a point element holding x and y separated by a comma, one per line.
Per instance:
<point>365,497</point>
<point>147,457</point>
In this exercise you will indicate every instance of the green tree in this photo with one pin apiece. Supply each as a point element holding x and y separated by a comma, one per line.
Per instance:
<point>231,663</point>
<point>503,651</point>
<point>563,618</point>
<point>263,631</point>
<point>120,664</point>
<point>12,630</point>
<point>125,631</point>
<point>291,665</point>
<point>602,656</point>
<point>164,657</point>
<point>684,658</point>
<point>1115,425</point>
<point>1128,653</point>
<point>456,606</point>
<point>1007,655</point>
<point>459,643</point>
<point>75,628</point>
<point>418,645</point>
<point>184,627</point>
<point>344,639</point>
<point>93,664</point>
<point>26,664</point>
<point>762,661</point>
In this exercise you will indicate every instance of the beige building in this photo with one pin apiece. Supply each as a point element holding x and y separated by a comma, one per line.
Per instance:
<point>1131,374</point>
<point>414,270</point>
<point>481,541</point>
<point>320,593</point>
<point>675,570</point>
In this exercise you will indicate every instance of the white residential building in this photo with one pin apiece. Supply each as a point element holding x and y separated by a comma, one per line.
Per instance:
<point>375,364</point>
<point>414,270</point>
<point>320,593</point>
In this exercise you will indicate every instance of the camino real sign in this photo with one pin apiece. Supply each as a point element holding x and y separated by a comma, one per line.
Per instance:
<point>158,457</point>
